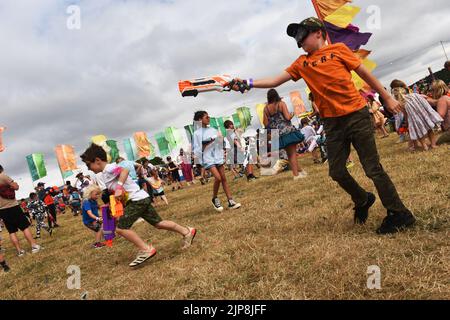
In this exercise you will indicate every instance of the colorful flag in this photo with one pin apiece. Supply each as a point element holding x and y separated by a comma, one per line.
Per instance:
<point>130,149</point>
<point>173,137</point>
<point>297,103</point>
<point>99,140</point>
<point>245,116</point>
<point>2,147</point>
<point>65,156</point>
<point>189,131</point>
<point>142,145</point>
<point>343,16</point>
<point>37,166</point>
<point>163,144</point>
<point>213,123</point>
<point>353,39</point>
<point>236,120</point>
<point>221,122</point>
<point>113,150</point>
<point>260,112</point>
<point>327,7</point>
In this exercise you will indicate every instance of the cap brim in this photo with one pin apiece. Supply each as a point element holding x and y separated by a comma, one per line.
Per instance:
<point>292,29</point>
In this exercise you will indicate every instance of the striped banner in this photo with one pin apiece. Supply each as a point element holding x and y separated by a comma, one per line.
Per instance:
<point>37,166</point>
<point>173,137</point>
<point>2,147</point>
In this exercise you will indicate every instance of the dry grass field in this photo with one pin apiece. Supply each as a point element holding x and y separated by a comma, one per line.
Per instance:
<point>290,240</point>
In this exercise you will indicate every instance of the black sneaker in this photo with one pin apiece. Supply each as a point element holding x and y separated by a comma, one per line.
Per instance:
<point>251,177</point>
<point>396,221</point>
<point>6,268</point>
<point>217,205</point>
<point>362,213</point>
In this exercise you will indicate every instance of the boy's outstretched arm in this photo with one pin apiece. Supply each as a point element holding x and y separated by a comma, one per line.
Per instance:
<point>271,82</point>
<point>392,104</point>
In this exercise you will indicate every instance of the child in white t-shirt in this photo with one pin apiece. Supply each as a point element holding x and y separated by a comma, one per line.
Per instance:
<point>138,204</point>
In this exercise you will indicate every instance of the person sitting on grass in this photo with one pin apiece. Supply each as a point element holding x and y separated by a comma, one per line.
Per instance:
<point>90,213</point>
<point>137,204</point>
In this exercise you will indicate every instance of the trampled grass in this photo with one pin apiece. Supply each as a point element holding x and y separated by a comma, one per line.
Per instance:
<point>290,240</point>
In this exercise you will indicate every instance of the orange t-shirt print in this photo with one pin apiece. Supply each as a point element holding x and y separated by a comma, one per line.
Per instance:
<point>327,74</point>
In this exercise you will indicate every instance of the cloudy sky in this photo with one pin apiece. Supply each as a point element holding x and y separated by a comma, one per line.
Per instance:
<point>118,73</point>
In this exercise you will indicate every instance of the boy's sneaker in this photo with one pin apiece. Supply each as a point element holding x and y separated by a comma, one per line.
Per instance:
<point>233,204</point>
<point>396,221</point>
<point>36,249</point>
<point>37,237</point>
<point>217,205</point>
<point>362,213</point>
<point>5,267</point>
<point>142,257</point>
<point>189,238</point>
<point>98,245</point>
<point>251,177</point>
<point>21,253</point>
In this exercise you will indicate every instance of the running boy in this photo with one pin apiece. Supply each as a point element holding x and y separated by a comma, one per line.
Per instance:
<point>326,71</point>
<point>138,205</point>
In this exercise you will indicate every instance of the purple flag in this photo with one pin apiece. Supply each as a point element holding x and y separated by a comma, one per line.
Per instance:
<point>350,35</point>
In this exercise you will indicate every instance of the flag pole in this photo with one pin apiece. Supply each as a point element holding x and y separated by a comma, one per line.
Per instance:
<point>319,15</point>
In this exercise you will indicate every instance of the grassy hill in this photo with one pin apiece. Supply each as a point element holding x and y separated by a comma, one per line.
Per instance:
<point>290,240</point>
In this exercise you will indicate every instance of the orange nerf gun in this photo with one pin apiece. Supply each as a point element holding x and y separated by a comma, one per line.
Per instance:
<point>116,207</point>
<point>191,88</point>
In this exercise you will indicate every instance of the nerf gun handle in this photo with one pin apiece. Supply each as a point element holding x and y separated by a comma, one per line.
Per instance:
<point>243,86</point>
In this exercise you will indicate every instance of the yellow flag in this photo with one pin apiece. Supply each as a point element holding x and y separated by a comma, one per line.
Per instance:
<point>369,64</point>
<point>327,7</point>
<point>360,83</point>
<point>343,16</point>
<point>99,140</point>
<point>260,112</point>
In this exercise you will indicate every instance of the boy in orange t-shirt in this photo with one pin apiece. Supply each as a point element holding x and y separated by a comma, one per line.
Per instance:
<point>326,70</point>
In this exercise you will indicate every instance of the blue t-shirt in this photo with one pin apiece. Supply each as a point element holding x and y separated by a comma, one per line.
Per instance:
<point>129,165</point>
<point>89,205</point>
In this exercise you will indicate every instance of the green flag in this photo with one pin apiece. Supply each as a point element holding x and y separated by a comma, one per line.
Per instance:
<point>37,166</point>
<point>114,152</point>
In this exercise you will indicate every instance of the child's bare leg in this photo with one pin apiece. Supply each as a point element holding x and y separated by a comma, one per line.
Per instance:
<point>172,226</point>
<point>217,181</point>
<point>29,236</point>
<point>424,143</point>
<point>225,186</point>
<point>292,156</point>
<point>15,241</point>
<point>165,199</point>
<point>99,236</point>
<point>432,137</point>
<point>133,237</point>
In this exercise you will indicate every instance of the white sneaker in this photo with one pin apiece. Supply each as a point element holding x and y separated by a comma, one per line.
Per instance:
<point>301,175</point>
<point>233,205</point>
<point>36,249</point>
<point>143,256</point>
<point>21,253</point>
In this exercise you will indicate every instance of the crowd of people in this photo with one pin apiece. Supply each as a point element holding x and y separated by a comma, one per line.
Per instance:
<point>343,117</point>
